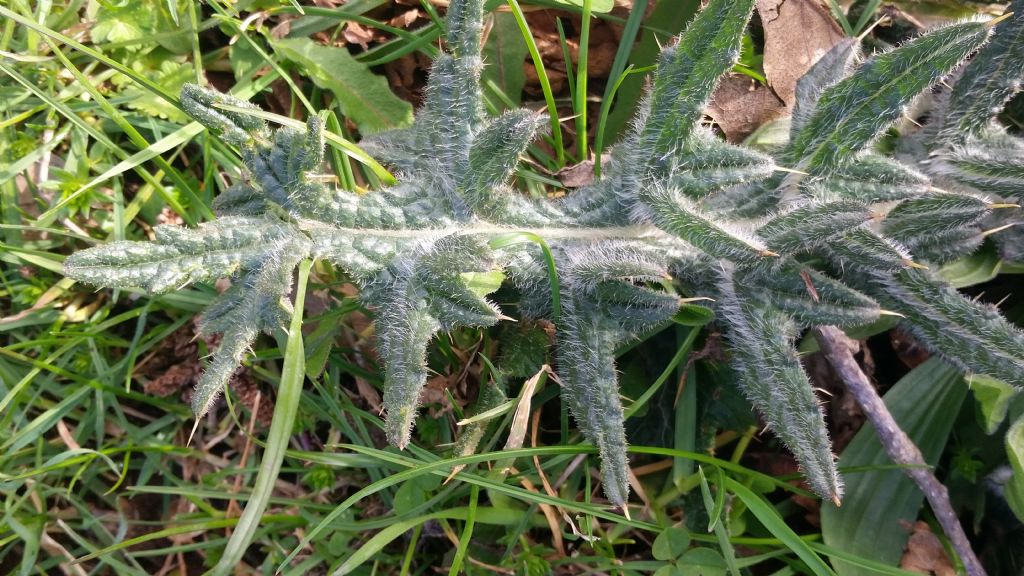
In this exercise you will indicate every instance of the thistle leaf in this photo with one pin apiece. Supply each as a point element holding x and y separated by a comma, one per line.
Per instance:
<point>863,250</point>
<point>586,361</point>
<point>495,151</point>
<point>707,164</point>
<point>420,293</point>
<point>257,303</point>
<point>993,76</point>
<point>603,304</point>
<point>599,312</point>
<point>853,112</point>
<point>226,359</point>
<point>812,225</point>
<point>773,379</point>
<point>673,197</point>
<point>240,200</point>
<point>827,71</point>
<point>1011,243</point>
<point>669,210</point>
<point>807,295</point>
<point>971,335</point>
<point>362,256</point>
<point>926,215</point>
<point>234,127</point>
<point>181,255</point>
<point>688,73</point>
<point>946,245</point>
<point>403,333</point>
<point>869,179</point>
<point>615,280</point>
<point>992,163</point>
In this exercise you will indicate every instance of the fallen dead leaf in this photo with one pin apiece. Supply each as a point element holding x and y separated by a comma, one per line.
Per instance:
<point>517,431</point>
<point>356,33</point>
<point>579,175</point>
<point>405,19</point>
<point>797,33</point>
<point>740,105</point>
<point>908,349</point>
<point>370,395</point>
<point>282,29</point>
<point>925,553</point>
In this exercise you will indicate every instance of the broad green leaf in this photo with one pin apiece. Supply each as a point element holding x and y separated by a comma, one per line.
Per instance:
<point>319,344</point>
<point>1015,486</point>
<point>993,397</point>
<point>877,503</point>
<point>408,496</point>
<point>483,283</point>
<point>364,96</point>
<point>702,562</point>
<point>505,54</point>
<point>130,21</point>
<point>977,268</point>
<point>693,315</point>
<point>244,59</point>
<point>671,543</point>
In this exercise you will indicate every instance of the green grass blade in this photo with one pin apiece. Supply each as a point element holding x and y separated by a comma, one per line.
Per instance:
<point>870,566</point>
<point>100,137</point>
<point>127,71</point>
<point>684,350</point>
<point>467,533</point>
<point>869,10</point>
<point>545,84</point>
<point>580,103</point>
<point>285,411</point>
<point>840,16</point>
<point>775,524</point>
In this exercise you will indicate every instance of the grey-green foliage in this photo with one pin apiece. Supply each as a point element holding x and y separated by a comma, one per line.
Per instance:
<point>969,152</point>
<point>675,202</point>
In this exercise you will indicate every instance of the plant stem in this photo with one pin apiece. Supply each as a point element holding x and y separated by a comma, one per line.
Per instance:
<point>836,347</point>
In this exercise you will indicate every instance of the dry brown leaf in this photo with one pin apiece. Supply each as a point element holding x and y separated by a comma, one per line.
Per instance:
<point>740,105</point>
<point>281,29</point>
<point>355,33</point>
<point>405,19</point>
<point>796,34</point>
<point>603,45</point>
<point>579,175</point>
<point>517,431</point>
<point>925,553</point>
